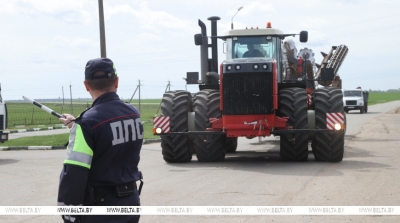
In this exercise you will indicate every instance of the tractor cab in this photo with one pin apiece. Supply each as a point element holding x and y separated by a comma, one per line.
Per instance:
<point>253,43</point>
<point>261,47</point>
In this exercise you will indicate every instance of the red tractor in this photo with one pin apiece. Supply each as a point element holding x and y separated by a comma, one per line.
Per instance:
<point>262,88</point>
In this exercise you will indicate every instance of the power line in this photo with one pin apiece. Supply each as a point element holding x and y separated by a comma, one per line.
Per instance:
<point>114,57</point>
<point>138,63</point>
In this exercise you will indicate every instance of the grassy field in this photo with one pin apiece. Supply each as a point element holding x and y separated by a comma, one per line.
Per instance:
<point>382,97</point>
<point>50,140</point>
<point>29,115</point>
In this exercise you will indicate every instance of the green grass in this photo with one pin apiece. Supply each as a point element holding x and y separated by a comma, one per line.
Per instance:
<point>54,140</point>
<point>43,127</point>
<point>61,139</point>
<point>147,112</point>
<point>49,140</point>
<point>25,116</point>
<point>382,97</point>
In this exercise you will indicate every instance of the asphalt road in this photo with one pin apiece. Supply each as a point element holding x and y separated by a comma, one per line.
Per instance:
<point>253,176</point>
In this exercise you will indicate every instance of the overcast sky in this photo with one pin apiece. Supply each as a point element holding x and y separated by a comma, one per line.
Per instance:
<point>45,44</point>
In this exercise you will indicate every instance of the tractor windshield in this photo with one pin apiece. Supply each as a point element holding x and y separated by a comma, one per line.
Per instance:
<point>252,47</point>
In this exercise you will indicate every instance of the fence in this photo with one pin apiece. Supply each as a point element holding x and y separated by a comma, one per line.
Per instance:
<point>28,114</point>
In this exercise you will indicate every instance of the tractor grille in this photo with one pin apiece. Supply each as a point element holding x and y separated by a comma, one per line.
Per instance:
<point>351,102</point>
<point>248,93</point>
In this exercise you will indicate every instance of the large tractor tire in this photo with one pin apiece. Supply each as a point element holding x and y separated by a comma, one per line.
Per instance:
<point>209,148</point>
<point>231,144</point>
<point>176,105</point>
<point>327,147</point>
<point>345,124</point>
<point>293,104</point>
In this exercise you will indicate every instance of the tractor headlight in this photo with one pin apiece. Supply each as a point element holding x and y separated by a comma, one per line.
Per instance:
<point>255,66</point>
<point>237,67</point>
<point>265,66</point>
<point>338,126</point>
<point>229,67</point>
<point>158,130</point>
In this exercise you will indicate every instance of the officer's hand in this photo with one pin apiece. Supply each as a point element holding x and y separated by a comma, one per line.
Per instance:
<point>68,120</point>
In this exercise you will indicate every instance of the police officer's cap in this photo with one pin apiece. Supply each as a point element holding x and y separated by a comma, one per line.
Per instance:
<point>100,64</point>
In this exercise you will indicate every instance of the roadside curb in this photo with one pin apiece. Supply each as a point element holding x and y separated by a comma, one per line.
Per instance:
<point>8,148</point>
<point>31,148</point>
<point>148,141</point>
<point>35,129</point>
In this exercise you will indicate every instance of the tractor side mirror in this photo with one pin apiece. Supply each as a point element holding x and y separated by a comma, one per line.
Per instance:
<point>198,39</point>
<point>303,36</point>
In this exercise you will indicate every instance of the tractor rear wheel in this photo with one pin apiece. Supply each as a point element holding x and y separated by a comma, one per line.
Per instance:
<point>327,147</point>
<point>231,144</point>
<point>209,148</point>
<point>293,104</point>
<point>176,105</point>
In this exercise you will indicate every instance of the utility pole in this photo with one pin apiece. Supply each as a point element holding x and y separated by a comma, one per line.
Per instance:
<point>139,96</point>
<point>102,30</point>
<point>63,94</point>
<point>70,93</point>
<point>133,94</point>
<point>62,107</point>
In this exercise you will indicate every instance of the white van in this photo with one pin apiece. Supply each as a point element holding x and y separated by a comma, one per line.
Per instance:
<point>356,99</point>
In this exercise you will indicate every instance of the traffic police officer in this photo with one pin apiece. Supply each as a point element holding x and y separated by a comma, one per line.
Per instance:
<point>101,168</point>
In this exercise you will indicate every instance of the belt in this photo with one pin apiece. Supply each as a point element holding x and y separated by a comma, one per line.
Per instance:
<point>131,186</point>
<point>96,193</point>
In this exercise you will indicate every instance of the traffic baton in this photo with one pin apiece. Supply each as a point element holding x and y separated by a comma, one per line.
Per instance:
<point>44,108</point>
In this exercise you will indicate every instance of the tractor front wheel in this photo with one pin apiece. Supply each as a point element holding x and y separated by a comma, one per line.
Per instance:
<point>231,144</point>
<point>293,104</point>
<point>327,147</point>
<point>209,148</point>
<point>176,105</point>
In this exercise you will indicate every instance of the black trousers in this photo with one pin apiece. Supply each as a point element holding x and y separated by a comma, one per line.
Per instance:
<point>110,199</point>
